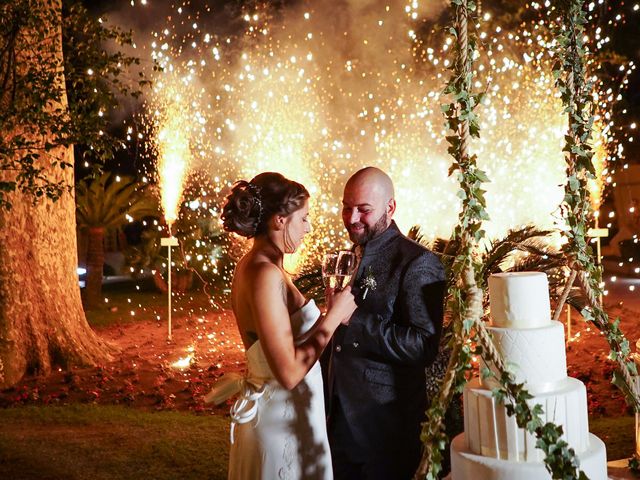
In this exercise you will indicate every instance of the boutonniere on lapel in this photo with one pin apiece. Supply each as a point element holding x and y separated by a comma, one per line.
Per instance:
<point>368,282</point>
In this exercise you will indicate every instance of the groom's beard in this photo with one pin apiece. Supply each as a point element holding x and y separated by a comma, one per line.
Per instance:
<point>368,233</point>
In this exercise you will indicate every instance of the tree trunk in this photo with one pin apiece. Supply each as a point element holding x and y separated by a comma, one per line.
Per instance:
<point>42,322</point>
<point>95,265</point>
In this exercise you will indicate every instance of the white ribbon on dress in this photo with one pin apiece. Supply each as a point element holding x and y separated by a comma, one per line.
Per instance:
<point>245,408</point>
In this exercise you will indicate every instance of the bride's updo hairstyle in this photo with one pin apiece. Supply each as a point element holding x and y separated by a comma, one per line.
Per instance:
<point>250,205</point>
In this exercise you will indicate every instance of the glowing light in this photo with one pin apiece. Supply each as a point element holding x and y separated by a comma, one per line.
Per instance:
<point>599,160</point>
<point>173,159</point>
<point>183,363</point>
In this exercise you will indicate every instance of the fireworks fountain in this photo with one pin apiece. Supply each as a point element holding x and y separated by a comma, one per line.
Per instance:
<point>173,153</point>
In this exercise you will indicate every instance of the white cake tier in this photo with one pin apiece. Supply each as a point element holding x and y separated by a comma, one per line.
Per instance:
<point>519,300</point>
<point>536,356</point>
<point>466,465</point>
<point>491,432</point>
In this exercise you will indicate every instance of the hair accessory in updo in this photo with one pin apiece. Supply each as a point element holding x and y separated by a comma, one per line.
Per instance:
<point>256,192</point>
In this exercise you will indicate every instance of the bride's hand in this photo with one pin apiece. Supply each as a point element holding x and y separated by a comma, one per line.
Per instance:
<point>342,304</point>
<point>328,297</point>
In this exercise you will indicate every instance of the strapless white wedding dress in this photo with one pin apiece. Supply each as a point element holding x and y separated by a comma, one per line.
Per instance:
<point>278,433</point>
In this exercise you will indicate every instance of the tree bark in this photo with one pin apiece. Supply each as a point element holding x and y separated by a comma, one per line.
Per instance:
<point>95,265</point>
<point>42,323</point>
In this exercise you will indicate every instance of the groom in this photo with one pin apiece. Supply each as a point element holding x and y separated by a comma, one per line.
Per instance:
<point>376,378</point>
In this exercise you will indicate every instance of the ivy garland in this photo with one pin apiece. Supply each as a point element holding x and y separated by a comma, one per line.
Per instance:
<point>465,296</point>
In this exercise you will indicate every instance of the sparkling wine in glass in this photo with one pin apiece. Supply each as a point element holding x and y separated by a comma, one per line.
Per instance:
<point>338,281</point>
<point>345,268</point>
<point>329,262</point>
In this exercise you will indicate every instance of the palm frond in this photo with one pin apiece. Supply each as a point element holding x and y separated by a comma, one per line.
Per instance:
<point>444,247</point>
<point>415,234</point>
<point>577,299</point>
<point>437,245</point>
<point>106,201</point>
<point>536,263</point>
<point>528,238</point>
<point>310,284</point>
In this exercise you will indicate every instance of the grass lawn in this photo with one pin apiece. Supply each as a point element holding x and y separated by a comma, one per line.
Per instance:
<point>618,434</point>
<point>111,442</point>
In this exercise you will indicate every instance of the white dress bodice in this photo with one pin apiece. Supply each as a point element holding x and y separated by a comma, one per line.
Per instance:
<point>301,322</point>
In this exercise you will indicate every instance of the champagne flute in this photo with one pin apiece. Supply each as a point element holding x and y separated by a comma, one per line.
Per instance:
<point>345,268</point>
<point>329,262</point>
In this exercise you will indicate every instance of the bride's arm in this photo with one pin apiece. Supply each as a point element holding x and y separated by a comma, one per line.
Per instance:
<point>290,362</point>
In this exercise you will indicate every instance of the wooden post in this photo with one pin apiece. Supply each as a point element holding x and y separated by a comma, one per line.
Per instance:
<point>169,242</point>
<point>598,233</point>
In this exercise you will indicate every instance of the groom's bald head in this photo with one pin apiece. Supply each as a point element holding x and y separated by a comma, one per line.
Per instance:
<point>368,204</point>
<point>375,179</point>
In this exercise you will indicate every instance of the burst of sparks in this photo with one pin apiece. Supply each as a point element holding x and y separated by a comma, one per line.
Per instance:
<point>317,94</point>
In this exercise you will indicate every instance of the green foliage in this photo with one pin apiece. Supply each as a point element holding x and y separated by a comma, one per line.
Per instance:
<point>463,122</point>
<point>91,45</point>
<point>36,81</point>
<point>107,203</point>
<point>575,93</point>
<point>460,118</point>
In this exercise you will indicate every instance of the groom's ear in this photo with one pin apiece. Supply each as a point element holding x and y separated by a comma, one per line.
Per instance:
<point>391,207</point>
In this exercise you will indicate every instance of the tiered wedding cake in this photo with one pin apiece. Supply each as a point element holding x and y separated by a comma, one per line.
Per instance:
<point>492,446</point>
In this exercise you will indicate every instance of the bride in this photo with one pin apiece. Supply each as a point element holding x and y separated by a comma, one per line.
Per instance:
<point>278,425</point>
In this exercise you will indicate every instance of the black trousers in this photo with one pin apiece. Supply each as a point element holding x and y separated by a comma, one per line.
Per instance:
<point>351,462</point>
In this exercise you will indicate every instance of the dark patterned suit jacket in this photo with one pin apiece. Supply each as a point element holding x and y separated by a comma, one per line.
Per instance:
<point>377,363</point>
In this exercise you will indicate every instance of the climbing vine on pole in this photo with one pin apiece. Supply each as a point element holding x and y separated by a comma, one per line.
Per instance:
<point>466,297</point>
<point>575,91</point>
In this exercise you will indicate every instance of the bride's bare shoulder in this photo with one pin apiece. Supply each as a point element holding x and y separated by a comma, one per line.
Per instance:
<point>258,272</point>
